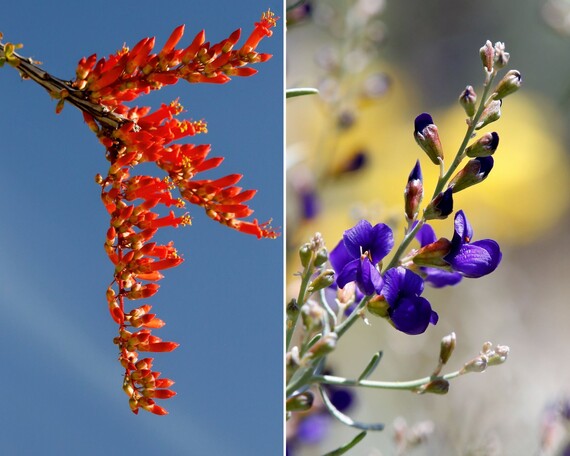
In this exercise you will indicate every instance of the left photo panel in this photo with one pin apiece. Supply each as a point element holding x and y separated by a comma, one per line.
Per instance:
<point>141,235</point>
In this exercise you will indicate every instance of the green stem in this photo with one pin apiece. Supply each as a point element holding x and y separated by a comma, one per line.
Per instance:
<point>293,315</point>
<point>444,178</point>
<point>301,378</point>
<point>355,315</point>
<point>291,93</point>
<point>459,156</point>
<point>404,245</point>
<point>345,448</point>
<point>409,385</point>
<point>304,375</point>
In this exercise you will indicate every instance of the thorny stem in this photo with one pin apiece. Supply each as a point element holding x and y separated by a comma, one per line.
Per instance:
<point>58,87</point>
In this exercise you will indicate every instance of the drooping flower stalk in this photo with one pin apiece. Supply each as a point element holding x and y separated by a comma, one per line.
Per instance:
<point>135,135</point>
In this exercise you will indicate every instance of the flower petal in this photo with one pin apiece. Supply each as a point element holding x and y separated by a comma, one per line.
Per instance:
<point>438,278</point>
<point>412,315</point>
<point>340,257</point>
<point>381,242</point>
<point>477,259</point>
<point>368,278</point>
<point>357,237</point>
<point>348,273</point>
<point>400,282</point>
<point>426,235</point>
<point>463,231</point>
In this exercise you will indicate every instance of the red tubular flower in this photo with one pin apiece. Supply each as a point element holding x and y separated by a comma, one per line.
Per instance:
<point>136,203</point>
<point>262,29</point>
<point>172,41</point>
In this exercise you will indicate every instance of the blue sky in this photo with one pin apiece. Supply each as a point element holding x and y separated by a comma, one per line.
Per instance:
<point>61,381</point>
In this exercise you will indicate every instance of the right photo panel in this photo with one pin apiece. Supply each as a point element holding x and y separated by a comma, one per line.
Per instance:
<point>427,249</point>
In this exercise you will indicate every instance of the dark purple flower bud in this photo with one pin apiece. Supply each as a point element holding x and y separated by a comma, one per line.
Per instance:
<point>427,137</point>
<point>413,192</point>
<point>486,145</point>
<point>471,259</point>
<point>440,207</point>
<point>355,257</point>
<point>468,99</point>
<point>408,312</point>
<point>475,171</point>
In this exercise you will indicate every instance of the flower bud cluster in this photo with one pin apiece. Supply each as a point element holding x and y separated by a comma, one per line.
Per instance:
<point>489,356</point>
<point>475,171</point>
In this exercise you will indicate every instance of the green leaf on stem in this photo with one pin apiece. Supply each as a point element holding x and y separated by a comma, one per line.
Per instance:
<point>346,419</point>
<point>343,449</point>
<point>290,93</point>
<point>372,365</point>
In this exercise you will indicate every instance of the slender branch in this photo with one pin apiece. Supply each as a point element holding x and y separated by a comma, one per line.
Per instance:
<point>404,245</point>
<point>59,88</point>
<point>291,93</point>
<point>444,178</point>
<point>293,317</point>
<point>470,130</point>
<point>409,385</point>
<point>345,448</point>
<point>343,327</point>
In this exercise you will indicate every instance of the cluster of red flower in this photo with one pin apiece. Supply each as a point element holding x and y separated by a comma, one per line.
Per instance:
<point>142,137</point>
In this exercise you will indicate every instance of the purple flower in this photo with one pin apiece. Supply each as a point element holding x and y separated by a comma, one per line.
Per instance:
<point>355,257</point>
<point>471,259</point>
<point>409,312</point>
<point>434,276</point>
